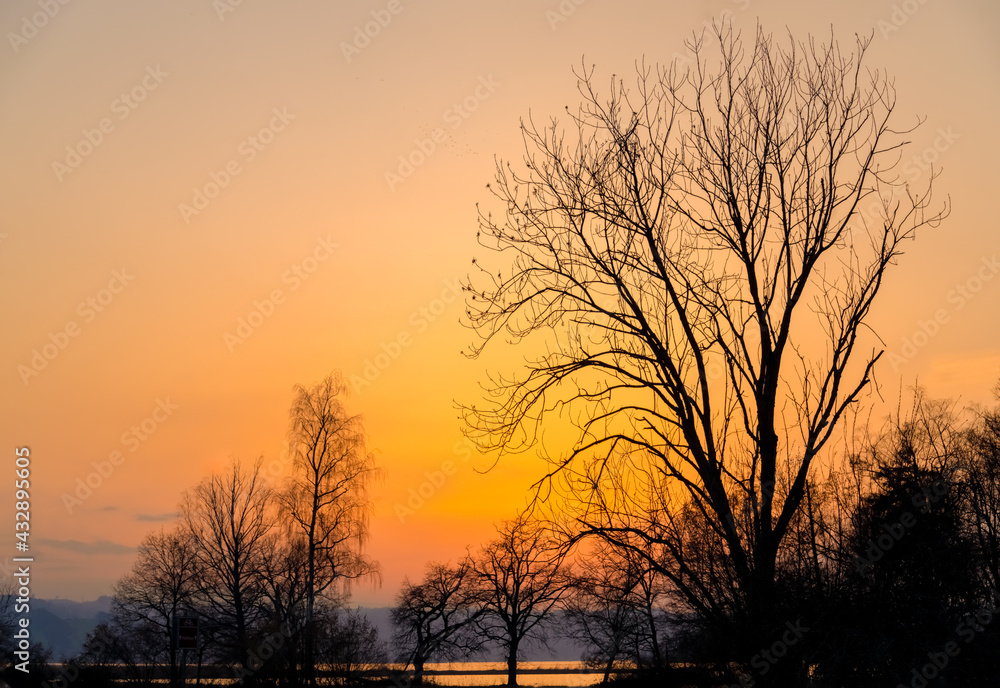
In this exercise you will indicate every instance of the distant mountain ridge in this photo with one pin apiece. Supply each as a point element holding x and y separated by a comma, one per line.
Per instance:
<point>62,625</point>
<point>70,609</point>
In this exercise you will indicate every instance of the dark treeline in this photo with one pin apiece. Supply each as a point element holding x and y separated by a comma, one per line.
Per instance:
<point>888,578</point>
<point>265,569</point>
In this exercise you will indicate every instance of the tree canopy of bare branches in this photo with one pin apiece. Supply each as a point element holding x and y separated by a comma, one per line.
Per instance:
<point>329,498</point>
<point>227,516</point>
<point>706,246</point>
<point>522,575</point>
<point>615,610</point>
<point>162,585</point>
<point>435,616</point>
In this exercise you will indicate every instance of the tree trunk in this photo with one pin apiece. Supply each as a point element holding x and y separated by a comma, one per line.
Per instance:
<point>310,637</point>
<point>512,663</point>
<point>173,680</point>
<point>418,672</point>
<point>657,659</point>
<point>243,643</point>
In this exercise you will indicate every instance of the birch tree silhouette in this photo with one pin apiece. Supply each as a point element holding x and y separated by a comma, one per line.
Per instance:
<point>329,498</point>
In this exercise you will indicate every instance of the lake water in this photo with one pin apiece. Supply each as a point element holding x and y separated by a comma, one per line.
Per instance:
<point>551,673</point>
<point>541,673</point>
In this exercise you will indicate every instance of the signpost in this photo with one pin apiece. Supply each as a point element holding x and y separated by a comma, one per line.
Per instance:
<point>185,638</point>
<point>186,632</point>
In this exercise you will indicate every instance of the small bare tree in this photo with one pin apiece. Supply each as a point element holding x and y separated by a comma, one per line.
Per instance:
<point>435,616</point>
<point>522,576</point>
<point>614,609</point>
<point>131,654</point>
<point>161,585</point>
<point>701,241</point>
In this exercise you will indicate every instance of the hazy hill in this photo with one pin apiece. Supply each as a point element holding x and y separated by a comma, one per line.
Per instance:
<point>62,625</point>
<point>561,649</point>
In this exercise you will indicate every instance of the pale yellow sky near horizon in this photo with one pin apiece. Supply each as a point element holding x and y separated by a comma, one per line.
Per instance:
<point>197,216</point>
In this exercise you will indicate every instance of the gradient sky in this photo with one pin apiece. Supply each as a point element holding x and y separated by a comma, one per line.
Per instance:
<point>184,89</point>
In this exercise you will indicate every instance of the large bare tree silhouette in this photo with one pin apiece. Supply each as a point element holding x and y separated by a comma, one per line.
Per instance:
<point>706,246</point>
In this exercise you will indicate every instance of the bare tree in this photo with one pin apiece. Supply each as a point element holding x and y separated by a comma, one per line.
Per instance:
<point>613,609</point>
<point>523,576</point>
<point>348,643</point>
<point>700,240</point>
<point>329,496</point>
<point>112,651</point>
<point>228,518</point>
<point>284,575</point>
<point>434,617</point>
<point>160,586</point>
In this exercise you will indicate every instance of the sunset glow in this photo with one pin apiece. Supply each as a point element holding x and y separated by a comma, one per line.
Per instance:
<point>207,203</point>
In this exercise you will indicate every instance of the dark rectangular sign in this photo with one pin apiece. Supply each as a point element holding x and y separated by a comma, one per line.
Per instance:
<point>186,632</point>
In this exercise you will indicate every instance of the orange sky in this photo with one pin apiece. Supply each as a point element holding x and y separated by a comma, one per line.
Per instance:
<point>170,168</point>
